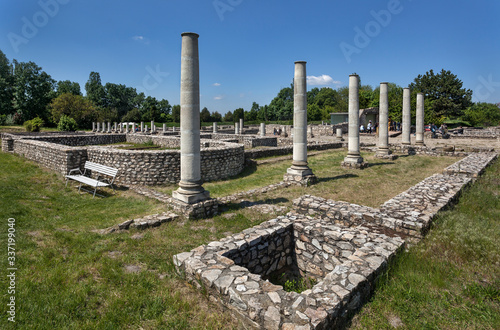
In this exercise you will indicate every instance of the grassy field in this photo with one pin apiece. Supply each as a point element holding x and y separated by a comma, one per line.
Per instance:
<point>71,277</point>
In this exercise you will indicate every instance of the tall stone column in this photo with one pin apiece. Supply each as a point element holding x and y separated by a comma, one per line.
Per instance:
<point>419,140</point>
<point>236,128</point>
<point>299,172</point>
<point>121,127</point>
<point>215,127</point>
<point>241,125</point>
<point>109,127</point>
<point>93,126</point>
<point>405,138</point>
<point>142,127</point>
<point>190,186</point>
<point>115,127</point>
<point>104,127</point>
<point>353,158</point>
<point>262,129</point>
<point>383,115</point>
<point>164,128</point>
<point>153,126</point>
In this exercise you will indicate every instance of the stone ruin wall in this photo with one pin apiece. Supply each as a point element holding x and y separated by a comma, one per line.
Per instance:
<point>219,160</point>
<point>344,246</point>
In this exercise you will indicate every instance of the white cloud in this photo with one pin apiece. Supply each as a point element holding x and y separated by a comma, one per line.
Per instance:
<point>322,80</point>
<point>218,97</point>
<point>216,84</point>
<point>141,39</point>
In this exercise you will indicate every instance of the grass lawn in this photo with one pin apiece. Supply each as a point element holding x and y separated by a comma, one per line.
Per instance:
<point>71,277</point>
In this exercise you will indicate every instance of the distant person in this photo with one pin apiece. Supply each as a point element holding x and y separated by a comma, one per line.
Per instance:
<point>361,128</point>
<point>369,127</point>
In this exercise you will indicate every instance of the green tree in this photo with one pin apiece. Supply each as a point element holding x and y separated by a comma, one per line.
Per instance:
<point>6,82</point>
<point>176,113</point>
<point>33,89</point>
<point>325,97</point>
<point>313,112</point>
<point>445,90</point>
<point>122,98</point>
<point>205,115</point>
<point>483,114</point>
<point>253,113</point>
<point>238,114</point>
<point>95,90</point>
<point>342,104</point>
<point>216,117</point>
<point>228,117</point>
<point>66,86</point>
<point>281,107</point>
<point>133,115</point>
<point>77,107</point>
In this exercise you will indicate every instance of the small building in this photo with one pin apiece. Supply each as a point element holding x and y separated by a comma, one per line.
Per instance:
<point>339,118</point>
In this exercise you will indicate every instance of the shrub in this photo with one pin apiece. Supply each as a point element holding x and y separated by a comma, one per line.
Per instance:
<point>33,125</point>
<point>3,120</point>
<point>66,124</point>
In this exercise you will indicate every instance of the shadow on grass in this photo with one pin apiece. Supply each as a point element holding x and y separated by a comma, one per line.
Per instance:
<point>338,177</point>
<point>245,203</point>
<point>380,164</point>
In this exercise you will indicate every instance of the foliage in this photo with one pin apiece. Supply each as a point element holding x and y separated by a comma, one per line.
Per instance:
<point>281,107</point>
<point>67,86</point>
<point>228,117</point>
<point>95,90</point>
<point>205,115</point>
<point>483,114</point>
<point>67,124</point>
<point>176,114</point>
<point>6,82</point>
<point>33,125</point>
<point>77,107</point>
<point>32,90</point>
<point>133,115</point>
<point>3,119</point>
<point>445,90</point>
<point>395,98</point>
<point>238,114</point>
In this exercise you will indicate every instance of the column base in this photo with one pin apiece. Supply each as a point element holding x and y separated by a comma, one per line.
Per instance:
<point>203,209</point>
<point>189,197</point>
<point>385,153</point>
<point>354,161</point>
<point>302,177</point>
<point>420,143</point>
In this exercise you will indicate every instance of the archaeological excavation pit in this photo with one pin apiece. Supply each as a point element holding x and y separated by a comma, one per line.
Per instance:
<point>343,263</point>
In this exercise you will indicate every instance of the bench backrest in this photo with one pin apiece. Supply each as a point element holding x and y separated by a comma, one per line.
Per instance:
<point>101,168</point>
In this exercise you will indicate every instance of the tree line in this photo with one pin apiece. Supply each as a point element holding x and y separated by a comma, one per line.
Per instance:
<point>27,92</point>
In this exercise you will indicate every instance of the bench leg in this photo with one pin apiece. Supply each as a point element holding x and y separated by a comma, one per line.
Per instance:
<point>66,183</point>
<point>94,191</point>
<point>80,187</point>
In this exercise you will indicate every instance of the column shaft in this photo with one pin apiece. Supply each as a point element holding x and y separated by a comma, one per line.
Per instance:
<point>419,140</point>
<point>405,139</point>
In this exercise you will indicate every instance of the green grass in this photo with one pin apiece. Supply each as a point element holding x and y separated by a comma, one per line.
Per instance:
<point>71,277</point>
<point>451,279</point>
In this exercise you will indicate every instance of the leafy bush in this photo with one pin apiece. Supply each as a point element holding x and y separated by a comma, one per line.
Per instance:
<point>67,123</point>
<point>3,120</point>
<point>33,125</point>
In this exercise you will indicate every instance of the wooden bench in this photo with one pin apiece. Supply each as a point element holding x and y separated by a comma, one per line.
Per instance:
<point>100,181</point>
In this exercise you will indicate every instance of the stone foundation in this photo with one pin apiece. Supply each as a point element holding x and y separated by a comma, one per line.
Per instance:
<point>344,247</point>
<point>352,165</point>
<point>300,180</point>
<point>204,209</point>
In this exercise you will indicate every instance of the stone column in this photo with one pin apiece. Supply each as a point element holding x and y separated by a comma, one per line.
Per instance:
<point>236,128</point>
<point>121,128</point>
<point>103,127</point>
<point>241,125</point>
<point>339,134</point>
<point>115,127</point>
<point>152,126</point>
<point>405,136</point>
<point>262,129</point>
<point>93,126</point>
<point>133,127</point>
<point>173,128</point>
<point>164,128</point>
<point>109,127</point>
<point>311,131</point>
<point>215,128</point>
<point>299,169</point>
<point>142,126</point>
<point>353,158</point>
<point>419,140</point>
<point>98,127</point>
<point>383,118</point>
<point>190,186</point>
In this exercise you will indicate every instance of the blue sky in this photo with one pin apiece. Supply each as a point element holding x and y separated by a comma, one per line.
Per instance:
<point>248,48</point>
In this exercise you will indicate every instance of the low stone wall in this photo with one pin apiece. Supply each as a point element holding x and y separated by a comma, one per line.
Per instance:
<point>219,160</point>
<point>53,156</point>
<point>280,151</point>
<point>249,141</point>
<point>344,261</point>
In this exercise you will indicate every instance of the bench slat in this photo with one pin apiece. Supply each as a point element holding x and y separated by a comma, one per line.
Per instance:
<point>87,180</point>
<point>101,168</point>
